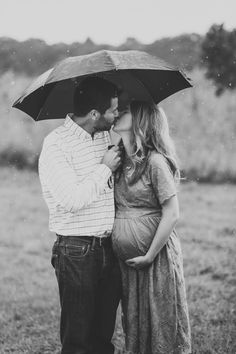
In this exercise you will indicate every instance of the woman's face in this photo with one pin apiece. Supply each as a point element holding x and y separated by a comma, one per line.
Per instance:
<point>124,122</point>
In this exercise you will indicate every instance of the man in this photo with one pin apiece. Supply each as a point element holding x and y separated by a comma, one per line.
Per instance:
<point>75,169</point>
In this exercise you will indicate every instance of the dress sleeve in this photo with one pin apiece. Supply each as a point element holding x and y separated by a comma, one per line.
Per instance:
<point>162,178</point>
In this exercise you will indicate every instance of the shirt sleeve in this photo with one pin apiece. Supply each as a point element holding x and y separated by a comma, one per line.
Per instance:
<point>162,178</point>
<point>60,179</point>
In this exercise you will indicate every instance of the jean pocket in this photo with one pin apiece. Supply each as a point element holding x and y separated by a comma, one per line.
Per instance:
<point>77,251</point>
<point>54,259</point>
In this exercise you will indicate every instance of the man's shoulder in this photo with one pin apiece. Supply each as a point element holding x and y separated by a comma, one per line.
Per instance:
<point>52,143</point>
<point>55,136</point>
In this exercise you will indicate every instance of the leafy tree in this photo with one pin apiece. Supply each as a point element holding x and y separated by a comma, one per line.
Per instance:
<point>34,56</point>
<point>183,51</point>
<point>219,57</point>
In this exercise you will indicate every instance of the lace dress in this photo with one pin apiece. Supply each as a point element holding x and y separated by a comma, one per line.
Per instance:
<point>155,312</point>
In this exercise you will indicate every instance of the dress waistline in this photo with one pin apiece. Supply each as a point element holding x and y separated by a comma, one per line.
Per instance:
<point>136,213</point>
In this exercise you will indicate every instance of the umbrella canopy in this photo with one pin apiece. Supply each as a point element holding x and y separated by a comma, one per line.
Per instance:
<point>138,74</point>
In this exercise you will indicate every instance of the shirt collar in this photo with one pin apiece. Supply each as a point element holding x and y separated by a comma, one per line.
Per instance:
<point>76,129</point>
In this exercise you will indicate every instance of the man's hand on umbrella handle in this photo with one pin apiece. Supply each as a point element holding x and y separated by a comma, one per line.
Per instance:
<point>112,158</point>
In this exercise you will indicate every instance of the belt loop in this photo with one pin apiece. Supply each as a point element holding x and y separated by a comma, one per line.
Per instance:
<point>58,239</point>
<point>93,243</point>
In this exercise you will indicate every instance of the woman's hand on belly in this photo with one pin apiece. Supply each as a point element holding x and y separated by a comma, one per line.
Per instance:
<point>139,262</point>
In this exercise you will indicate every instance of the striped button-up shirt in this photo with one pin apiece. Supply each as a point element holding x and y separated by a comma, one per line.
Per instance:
<point>75,182</point>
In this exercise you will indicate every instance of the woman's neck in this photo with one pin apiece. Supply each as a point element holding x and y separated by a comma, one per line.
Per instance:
<point>128,143</point>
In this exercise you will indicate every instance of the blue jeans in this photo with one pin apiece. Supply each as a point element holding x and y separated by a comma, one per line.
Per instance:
<point>89,283</point>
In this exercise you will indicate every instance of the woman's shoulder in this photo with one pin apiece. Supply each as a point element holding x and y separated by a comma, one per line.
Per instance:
<point>157,160</point>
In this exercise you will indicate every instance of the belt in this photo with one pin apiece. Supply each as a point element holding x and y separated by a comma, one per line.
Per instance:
<point>92,240</point>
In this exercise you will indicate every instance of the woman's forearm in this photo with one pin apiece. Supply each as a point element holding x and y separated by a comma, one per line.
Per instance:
<point>164,230</point>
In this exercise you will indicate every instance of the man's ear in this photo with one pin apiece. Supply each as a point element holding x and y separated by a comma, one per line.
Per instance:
<point>94,114</point>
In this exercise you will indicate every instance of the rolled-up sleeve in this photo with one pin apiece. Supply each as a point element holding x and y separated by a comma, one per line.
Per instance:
<point>57,174</point>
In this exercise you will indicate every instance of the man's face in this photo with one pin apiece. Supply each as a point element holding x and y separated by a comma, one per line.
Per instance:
<point>107,119</point>
<point>124,123</point>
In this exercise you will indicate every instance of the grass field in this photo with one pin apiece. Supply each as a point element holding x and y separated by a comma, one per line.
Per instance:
<point>29,303</point>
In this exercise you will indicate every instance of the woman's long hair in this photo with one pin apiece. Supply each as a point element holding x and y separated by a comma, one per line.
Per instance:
<point>150,133</point>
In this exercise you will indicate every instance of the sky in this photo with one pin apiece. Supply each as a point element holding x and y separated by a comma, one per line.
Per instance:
<point>111,22</point>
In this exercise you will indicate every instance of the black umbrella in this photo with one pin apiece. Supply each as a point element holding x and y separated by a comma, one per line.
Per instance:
<point>138,74</point>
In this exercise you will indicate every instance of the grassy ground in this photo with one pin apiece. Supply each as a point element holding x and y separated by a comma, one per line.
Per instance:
<point>29,303</point>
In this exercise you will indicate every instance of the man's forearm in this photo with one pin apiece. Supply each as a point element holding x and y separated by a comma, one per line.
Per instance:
<point>83,194</point>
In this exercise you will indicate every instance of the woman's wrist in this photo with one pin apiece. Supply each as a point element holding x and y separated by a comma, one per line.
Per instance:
<point>149,258</point>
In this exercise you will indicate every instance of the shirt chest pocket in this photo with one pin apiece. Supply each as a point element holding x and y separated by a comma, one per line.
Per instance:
<point>83,164</point>
<point>85,159</point>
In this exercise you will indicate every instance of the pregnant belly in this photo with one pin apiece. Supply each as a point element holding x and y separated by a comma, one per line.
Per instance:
<point>133,237</point>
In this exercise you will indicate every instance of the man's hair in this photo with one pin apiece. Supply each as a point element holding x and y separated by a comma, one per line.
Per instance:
<point>93,93</point>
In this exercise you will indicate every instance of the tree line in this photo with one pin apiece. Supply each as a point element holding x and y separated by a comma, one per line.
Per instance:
<point>34,56</point>
<point>216,52</point>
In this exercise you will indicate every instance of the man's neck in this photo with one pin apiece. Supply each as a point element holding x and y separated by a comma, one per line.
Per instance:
<point>84,123</point>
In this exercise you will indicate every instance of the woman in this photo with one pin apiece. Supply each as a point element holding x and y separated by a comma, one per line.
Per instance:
<point>154,302</point>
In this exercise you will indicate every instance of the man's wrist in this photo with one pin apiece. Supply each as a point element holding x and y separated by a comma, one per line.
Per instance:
<point>106,170</point>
